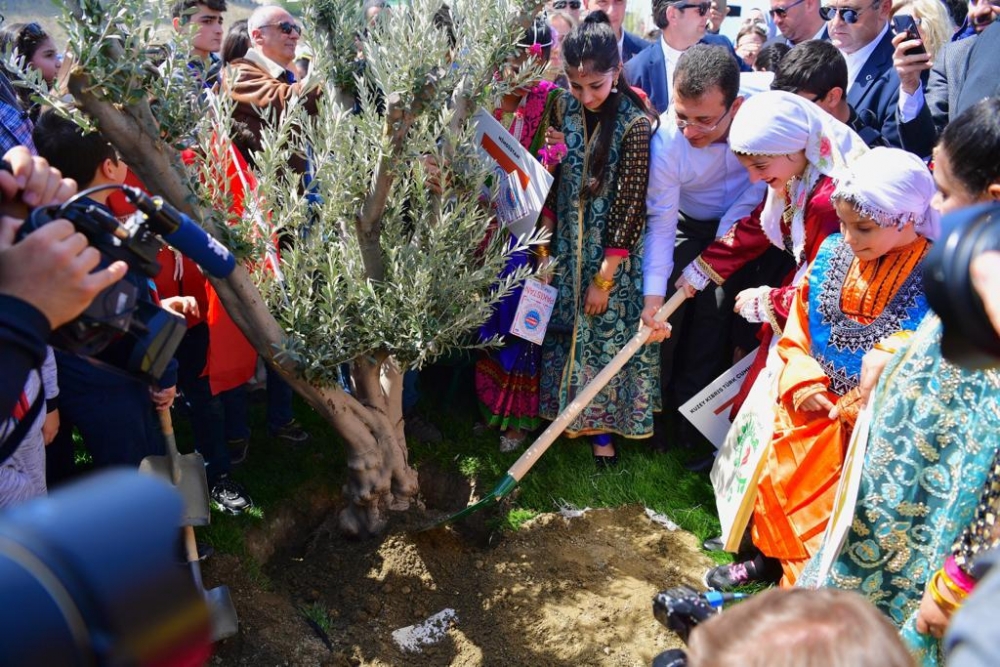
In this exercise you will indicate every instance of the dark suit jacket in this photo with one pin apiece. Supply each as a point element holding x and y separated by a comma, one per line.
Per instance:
<point>875,93</point>
<point>648,70</point>
<point>631,46</point>
<point>951,63</point>
<point>981,78</point>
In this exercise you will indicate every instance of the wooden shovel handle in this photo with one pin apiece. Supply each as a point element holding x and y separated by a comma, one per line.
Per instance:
<point>587,394</point>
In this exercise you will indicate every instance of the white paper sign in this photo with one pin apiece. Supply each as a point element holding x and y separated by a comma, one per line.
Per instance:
<point>534,310</point>
<point>522,194</point>
<point>846,499</point>
<point>709,409</point>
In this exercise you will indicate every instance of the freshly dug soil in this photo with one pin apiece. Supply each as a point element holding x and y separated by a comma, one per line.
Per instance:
<point>558,592</point>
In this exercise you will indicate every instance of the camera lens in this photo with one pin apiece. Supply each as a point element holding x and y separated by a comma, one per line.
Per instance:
<point>969,338</point>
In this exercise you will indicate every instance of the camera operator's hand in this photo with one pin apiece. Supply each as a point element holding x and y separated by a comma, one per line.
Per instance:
<point>51,269</point>
<point>38,183</point>
<point>50,427</point>
<point>985,271</point>
<point>163,398</point>
<point>182,305</point>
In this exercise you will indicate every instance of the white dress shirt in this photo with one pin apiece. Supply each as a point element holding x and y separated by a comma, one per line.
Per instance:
<point>670,57</point>
<point>705,183</point>
<point>857,60</point>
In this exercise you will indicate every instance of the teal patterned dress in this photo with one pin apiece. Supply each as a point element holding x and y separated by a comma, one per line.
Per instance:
<point>578,346</point>
<point>933,440</point>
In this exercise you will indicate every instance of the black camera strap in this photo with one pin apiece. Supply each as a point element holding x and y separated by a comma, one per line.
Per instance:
<point>17,434</point>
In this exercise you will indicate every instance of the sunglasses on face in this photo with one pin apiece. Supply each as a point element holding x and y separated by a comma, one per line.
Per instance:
<point>847,14</point>
<point>286,27</point>
<point>702,7</point>
<point>563,4</point>
<point>780,12</point>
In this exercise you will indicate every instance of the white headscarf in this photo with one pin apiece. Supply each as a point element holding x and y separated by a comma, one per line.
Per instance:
<point>892,187</point>
<point>779,123</point>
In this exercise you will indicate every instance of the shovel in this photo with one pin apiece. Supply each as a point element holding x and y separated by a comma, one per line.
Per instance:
<point>220,603</point>
<point>186,472</point>
<point>521,467</point>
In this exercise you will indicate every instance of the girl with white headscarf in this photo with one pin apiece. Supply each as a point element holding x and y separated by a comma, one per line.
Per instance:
<point>863,290</point>
<point>796,148</point>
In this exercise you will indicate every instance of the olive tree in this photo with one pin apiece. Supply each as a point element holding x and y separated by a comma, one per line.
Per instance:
<point>383,264</point>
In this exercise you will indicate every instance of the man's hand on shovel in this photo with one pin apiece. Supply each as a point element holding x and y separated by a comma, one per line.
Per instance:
<point>163,398</point>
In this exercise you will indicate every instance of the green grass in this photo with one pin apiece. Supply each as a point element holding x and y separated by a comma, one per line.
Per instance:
<point>275,471</point>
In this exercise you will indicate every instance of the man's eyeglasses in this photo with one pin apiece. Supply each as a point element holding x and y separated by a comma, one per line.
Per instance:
<point>286,27</point>
<point>780,12</point>
<point>847,14</point>
<point>702,7</point>
<point>563,4</point>
<point>704,129</point>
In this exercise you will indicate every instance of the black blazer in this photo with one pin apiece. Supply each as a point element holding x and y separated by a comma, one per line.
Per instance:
<point>981,79</point>
<point>875,93</point>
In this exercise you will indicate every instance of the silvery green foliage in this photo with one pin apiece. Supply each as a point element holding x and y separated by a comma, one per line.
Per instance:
<point>424,283</point>
<point>415,280</point>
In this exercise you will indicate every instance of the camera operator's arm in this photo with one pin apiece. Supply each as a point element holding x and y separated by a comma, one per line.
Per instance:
<point>45,281</point>
<point>985,270</point>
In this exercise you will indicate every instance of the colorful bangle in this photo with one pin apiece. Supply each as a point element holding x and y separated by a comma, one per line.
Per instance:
<point>542,250</point>
<point>955,589</point>
<point>958,575</point>
<point>946,605</point>
<point>603,284</point>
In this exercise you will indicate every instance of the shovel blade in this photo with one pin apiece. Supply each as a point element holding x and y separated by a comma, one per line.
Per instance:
<point>191,483</point>
<point>225,623</point>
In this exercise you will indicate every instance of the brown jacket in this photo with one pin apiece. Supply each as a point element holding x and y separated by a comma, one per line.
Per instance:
<point>259,85</point>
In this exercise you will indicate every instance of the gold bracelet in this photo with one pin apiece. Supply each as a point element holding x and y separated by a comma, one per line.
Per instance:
<point>946,605</point>
<point>542,250</point>
<point>955,589</point>
<point>602,284</point>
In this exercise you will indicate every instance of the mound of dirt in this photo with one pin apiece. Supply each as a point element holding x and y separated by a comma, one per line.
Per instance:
<point>558,592</point>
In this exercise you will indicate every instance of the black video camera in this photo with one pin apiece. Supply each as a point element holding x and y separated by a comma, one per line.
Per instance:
<point>969,338</point>
<point>681,609</point>
<point>120,330</point>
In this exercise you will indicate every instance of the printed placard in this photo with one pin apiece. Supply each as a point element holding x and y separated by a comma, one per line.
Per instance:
<point>709,409</point>
<point>521,195</point>
<point>533,311</point>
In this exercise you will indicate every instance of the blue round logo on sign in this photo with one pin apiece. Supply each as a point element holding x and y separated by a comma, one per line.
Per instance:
<point>531,319</point>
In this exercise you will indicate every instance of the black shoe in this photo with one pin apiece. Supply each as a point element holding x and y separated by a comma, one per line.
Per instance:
<point>605,462</point>
<point>728,577</point>
<point>238,450</point>
<point>714,544</point>
<point>703,464</point>
<point>417,428</point>
<point>292,432</point>
<point>229,496</point>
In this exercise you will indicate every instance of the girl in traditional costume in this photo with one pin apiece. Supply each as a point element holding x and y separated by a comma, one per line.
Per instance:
<point>507,377</point>
<point>863,288</point>
<point>596,211</point>
<point>796,148</point>
<point>929,490</point>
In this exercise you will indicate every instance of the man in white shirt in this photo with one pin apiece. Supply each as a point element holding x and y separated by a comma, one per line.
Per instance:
<point>628,44</point>
<point>798,20</point>
<point>860,29</point>
<point>682,24</point>
<point>697,191</point>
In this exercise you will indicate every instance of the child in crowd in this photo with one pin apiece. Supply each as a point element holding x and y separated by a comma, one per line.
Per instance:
<point>930,482</point>
<point>596,212</point>
<point>115,414</point>
<point>37,52</point>
<point>507,377</point>
<point>863,288</point>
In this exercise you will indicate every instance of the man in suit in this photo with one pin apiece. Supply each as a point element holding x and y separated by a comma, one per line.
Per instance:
<point>628,44</point>
<point>963,73</point>
<point>798,20</point>
<point>682,24</point>
<point>860,29</point>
